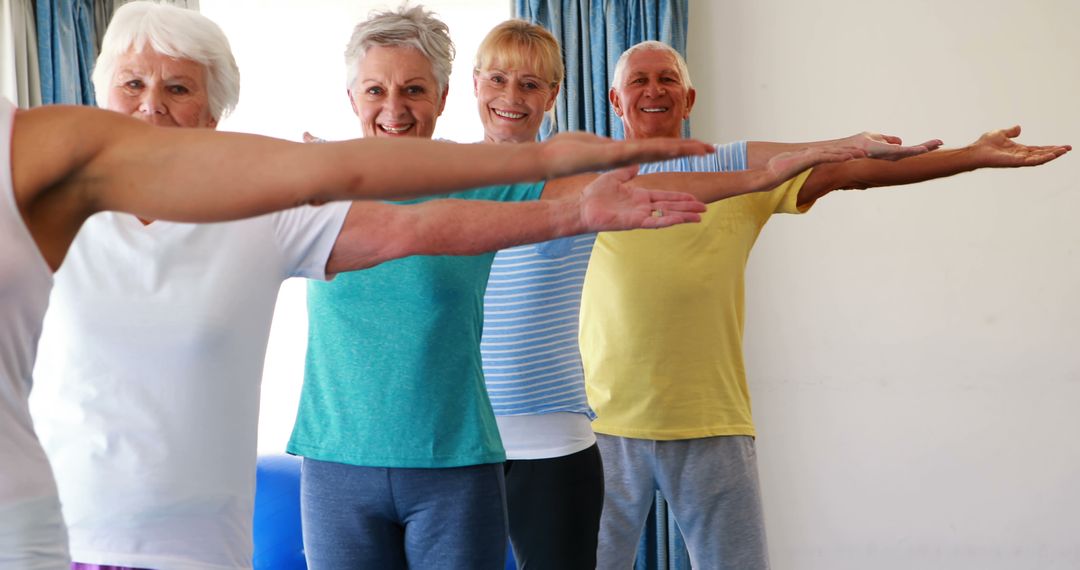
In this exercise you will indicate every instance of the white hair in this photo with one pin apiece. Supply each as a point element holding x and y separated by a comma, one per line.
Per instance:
<point>173,32</point>
<point>651,45</point>
<point>413,27</point>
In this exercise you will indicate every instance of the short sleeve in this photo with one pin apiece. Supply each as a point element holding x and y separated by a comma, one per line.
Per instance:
<point>307,236</point>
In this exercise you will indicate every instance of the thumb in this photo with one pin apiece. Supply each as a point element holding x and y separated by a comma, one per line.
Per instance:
<point>624,174</point>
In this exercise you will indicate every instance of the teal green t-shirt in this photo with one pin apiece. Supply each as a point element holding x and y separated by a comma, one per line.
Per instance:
<point>393,375</point>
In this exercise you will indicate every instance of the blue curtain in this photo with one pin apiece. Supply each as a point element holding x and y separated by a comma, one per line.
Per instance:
<point>593,34</point>
<point>66,50</point>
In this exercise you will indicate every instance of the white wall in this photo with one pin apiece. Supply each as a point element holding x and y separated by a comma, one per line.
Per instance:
<point>912,352</point>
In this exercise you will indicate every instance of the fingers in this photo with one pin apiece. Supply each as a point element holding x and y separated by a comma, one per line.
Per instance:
<point>1012,132</point>
<point>892,139</point>
<point>669,219</point>
<point>1042,157</point>
<point>838,154</point>
<point>310,138</point>
<point>652,150</point>
<point>580,136</point>
<point>932,144</point>
<point>689,204</point>
<point>685,147</point>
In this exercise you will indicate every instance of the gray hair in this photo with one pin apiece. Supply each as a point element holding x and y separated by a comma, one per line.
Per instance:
<point>407,26</point>
<point>173,32</point>
<point>652,45</point>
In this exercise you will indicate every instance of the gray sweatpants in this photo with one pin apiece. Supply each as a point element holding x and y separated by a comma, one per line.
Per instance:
<point>711,485</point>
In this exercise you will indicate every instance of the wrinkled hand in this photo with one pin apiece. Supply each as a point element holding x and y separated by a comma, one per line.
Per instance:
<point>887,147</point>
<point>997,149</point>
<point>571,153</point>
<point>788,164</point>
<point>612,202</point>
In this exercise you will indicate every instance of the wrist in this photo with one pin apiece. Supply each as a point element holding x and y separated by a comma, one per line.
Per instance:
<point>568,216</point>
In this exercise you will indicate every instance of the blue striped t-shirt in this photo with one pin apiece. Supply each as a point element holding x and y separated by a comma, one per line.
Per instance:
<point>532,364</point>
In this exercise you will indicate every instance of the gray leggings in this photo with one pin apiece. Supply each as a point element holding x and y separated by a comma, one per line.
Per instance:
<point>711,485</point>
<point>391,518</point>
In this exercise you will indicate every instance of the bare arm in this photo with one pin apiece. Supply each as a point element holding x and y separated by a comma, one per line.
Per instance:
<point>69,162</point>
<point>995,149</point>
<point>714,186</point>
<point>875,145</point>
<point>377,232</point>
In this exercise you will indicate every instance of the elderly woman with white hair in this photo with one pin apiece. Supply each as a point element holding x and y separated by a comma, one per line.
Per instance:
<point>152,353</point>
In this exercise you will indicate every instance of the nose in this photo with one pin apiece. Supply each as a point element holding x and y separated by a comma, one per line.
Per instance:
<point>655,89</point>
<point>514,93</point>
<point>152,103</point>
<point>394,104</point>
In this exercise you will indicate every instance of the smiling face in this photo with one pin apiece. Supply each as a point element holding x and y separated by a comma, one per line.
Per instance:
<point>512,102</point>
<point>396,93</point>
<point>651,96</point>
<point>160,90</point>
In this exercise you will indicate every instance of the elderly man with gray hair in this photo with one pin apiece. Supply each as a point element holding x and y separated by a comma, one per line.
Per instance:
<point>662,326</point>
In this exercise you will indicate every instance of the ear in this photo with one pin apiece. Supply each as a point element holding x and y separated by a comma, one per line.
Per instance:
<point>355,110</point>
<point>616,104</point>
<point>551,99</point>
<point>212,124</point>
<point>442,101</point>
<point>476,83</point>
<point>691,96</point>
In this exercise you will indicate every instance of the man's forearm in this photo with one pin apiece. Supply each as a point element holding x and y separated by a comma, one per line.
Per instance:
<point>712,186</point>
<point>872,173</point>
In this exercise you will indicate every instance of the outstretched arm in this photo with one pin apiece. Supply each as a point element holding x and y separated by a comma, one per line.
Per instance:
<point>995,149</point>
<point>875,145</point>
<point>227,175</point>
<point>713,186</point>
<point>69,162</point>
<point>376,232</point>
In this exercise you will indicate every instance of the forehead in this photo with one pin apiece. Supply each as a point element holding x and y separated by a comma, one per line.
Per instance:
<point>651,61</point>
<point>395,63</point>
<point>517,58</point>
<point>148,59</point>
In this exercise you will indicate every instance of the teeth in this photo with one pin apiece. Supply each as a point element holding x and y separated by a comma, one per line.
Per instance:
<point>395,130</point>
<point>508,114</point>
<point>654,109</point>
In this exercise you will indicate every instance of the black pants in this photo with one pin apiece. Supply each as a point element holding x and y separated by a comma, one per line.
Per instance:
<point>554,506</point>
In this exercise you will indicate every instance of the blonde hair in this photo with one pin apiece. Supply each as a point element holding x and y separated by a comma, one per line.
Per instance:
<point>519,44</point>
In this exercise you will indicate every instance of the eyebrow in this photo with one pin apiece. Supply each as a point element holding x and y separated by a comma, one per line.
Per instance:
<point>139,71</point>
<point>505,72</point>
<point>410,80</point>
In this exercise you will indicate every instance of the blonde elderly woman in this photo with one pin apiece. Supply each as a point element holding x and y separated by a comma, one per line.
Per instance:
<point>152,352</point>
<point>403,462</point>
<point>532,367</point>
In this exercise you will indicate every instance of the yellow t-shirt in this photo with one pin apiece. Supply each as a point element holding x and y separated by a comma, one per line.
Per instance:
<point>662,322</point>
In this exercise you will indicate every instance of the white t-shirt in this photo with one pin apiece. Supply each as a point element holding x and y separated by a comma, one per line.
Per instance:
<point>545,436</point>
<point>147,394</point>
<point>31,533</point>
